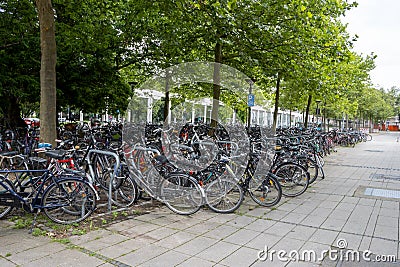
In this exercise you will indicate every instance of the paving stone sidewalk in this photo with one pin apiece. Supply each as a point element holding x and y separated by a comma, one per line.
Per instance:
<point>335,218</point>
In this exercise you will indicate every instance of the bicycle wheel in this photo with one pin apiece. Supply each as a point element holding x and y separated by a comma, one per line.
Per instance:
<point>5,207</point>
<point>17,162</point>
<point>293,178</point>
<point>181,193</point>
<point>69,201</point>
<point>312,168</point>
<point>320,160</point>
<point>124,190</point>
<point>103,165</point>
<point>265,191</point>
<point>224,195</point>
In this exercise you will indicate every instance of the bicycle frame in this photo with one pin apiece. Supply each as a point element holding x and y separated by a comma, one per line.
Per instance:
<point>23,197</point>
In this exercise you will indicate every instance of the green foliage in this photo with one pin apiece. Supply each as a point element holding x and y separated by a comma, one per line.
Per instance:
<point>64,241</point>
<point>22,223</point>
<point>89,48</point>
<point>376,105</point>
<point>38,232</point>
<point>78,231</point>
<point>102,45</point>
<point>19,56</point>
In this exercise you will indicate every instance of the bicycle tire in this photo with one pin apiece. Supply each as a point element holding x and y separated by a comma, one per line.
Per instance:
<point>5,209</point>
<point>181,193</point>
<point>267,192</point>
<point>224,195</point>
<point>293,178</point>
<point>313,169</point>
<point>104,164</point>
<point>124,191</point>
<point>69,201</point>
<point>321,160</point>
<point>14,163</point>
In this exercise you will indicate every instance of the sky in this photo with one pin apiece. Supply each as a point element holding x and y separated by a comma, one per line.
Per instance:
<point>377,24</point>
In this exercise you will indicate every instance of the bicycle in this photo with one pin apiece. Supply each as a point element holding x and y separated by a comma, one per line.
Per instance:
<point>98,170</point>
<point>64,200</point>
<point>292,177</point>
<point>225,175</point>
<point>11,161</point>
<point>261,184</point>
<point>178,191</point>
<point>187,146</point>
<point>222,194</point>
<point>125,189</point>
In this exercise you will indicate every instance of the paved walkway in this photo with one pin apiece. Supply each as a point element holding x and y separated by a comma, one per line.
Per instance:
<point>334,213</point>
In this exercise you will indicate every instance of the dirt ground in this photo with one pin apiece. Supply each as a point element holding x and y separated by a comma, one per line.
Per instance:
<point>101,217</point>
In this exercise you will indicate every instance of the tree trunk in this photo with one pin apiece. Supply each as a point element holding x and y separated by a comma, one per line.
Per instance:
<point>166,100</point>
<point>216,85</point>
<point>308,110</point>
<point>276,108</point>
<point>12,113</point>
<point>324,117</point>
<point>48,113</point>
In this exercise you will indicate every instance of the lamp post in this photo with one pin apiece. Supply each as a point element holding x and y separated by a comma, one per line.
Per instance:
<point>250,102</point>
<point>367,119</point>
<point>317,112</point>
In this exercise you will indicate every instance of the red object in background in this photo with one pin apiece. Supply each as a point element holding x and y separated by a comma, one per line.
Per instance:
<point>32,122</point>
<point>393,127</point>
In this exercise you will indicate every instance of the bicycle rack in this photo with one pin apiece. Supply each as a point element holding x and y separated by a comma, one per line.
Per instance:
<point>116,167</point>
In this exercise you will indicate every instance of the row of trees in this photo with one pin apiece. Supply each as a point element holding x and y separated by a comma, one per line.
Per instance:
<point>296,51</point>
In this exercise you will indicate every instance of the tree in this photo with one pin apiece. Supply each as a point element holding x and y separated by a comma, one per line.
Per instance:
<point>19,58</point>
<point>48,113</point>
<point>102,45</point>
<point>92,47</point>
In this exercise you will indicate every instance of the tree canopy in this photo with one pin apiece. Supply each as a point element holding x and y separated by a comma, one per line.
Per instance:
<point>104,45</point>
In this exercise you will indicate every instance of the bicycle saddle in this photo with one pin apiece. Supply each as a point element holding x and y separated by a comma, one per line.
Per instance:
<point>56,154</point>
<point>161,159</point>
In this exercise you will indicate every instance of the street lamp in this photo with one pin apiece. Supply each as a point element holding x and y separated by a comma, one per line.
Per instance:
<point>250,102</point>
<point>317,111</point>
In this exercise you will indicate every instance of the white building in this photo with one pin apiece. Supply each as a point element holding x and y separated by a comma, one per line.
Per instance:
<point>148,106</point>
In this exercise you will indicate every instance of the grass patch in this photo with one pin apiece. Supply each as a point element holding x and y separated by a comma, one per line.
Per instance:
<point>22,222</point>
<point>38,232</point>
<point>61,232</point>
<point>63,241</point>
<point>78,231</point>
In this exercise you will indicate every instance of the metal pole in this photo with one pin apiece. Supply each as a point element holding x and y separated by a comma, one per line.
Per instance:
<point>249,108</point>
<point>116,167</point>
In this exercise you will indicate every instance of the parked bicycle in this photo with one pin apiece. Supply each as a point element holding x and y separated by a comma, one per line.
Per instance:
<point>63,199</point>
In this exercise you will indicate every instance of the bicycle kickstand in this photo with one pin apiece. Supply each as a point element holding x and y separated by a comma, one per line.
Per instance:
<point>34,222</point>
